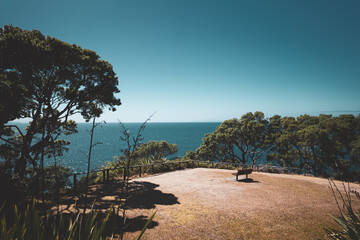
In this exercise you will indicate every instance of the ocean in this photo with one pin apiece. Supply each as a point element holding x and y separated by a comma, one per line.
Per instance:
<point>188,136</point>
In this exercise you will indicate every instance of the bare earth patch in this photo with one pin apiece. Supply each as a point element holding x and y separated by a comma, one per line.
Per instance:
<point>210,204</point>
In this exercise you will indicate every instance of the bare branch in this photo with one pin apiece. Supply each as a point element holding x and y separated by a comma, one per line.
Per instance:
<point>85,154</point>
<point>16,128</point>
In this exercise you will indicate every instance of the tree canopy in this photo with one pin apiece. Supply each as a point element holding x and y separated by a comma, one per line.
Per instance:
<point>318,144</point>
<point>47,81</point>
<point>155,150</point>
<point>321,145</point>
<point>241,140</point>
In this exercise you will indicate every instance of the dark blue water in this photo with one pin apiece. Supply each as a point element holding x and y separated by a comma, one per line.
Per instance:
<point>188,136</point>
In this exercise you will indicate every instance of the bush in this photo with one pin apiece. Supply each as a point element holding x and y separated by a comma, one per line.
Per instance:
<point>57,178</point>
<point>15,189</point>
<point>93,179</point>
<point>117,172</point>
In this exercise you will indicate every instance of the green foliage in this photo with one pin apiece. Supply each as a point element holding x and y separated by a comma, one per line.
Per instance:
<point>190,155</point>
<point>57,177</point>
<point>237,140</point>
<point>48,81</point>
<point>30,225</point>
<point>219,165</point>
<point>155,150</point>
<point>160,166</point>
<point>50,182</point>
<point>146,153</point>
<point>11,101</point>
<point>117,169</point>
<point>93,178</point>
<point>318,145</point>
<point>355,146</point>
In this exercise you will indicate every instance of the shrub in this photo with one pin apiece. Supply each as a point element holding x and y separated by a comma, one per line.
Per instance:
<point>93,179</point>
<point>58,180</point>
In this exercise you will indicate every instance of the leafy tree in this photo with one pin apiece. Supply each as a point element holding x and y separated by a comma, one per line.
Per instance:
<point>301,143</point>
<point>317,151</point>
<point>345,134</point>
<point>238,140</point>
<point>47,81</point>
<point>284,148</point>
<point>12,99</point>
<point>355,149</point>
<point>190,155</point>
<point>155,150</point>
<point>317,144</point>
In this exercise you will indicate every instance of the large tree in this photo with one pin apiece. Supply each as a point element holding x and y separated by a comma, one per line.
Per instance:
<point>319,145</point>
<point>243,140</point>
<point>47,81</point>
<point>300,143</point>
<point>155,150</point>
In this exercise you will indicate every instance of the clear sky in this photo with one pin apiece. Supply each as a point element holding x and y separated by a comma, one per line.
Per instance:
<point>206,60</point>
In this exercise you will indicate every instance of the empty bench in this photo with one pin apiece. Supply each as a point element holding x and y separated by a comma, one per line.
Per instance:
<point>242,172</point>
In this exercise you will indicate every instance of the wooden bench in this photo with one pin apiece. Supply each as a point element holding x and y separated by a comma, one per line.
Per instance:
<point>243,172</point>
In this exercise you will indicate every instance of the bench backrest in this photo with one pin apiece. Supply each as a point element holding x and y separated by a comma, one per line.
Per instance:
<point>244,171</point>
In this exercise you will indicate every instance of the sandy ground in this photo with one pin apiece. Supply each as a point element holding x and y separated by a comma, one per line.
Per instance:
<point>209,204</point>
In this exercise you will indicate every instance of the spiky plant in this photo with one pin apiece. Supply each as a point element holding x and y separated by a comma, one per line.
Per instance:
<point>54,227</point>
<point>349,220</point>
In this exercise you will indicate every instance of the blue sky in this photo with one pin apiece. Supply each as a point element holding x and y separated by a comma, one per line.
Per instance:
<point>192,60</point>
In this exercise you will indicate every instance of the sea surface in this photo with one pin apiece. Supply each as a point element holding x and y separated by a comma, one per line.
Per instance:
<point>188,136</point>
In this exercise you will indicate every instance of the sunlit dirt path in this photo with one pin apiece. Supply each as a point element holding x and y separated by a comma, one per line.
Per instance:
<point>210,204</point>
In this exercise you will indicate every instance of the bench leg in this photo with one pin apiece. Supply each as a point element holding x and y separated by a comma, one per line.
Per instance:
<point>246,176</point>
<point>237,177</point>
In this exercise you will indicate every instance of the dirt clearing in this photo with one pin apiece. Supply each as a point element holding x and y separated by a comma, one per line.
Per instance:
<point>210,204</point>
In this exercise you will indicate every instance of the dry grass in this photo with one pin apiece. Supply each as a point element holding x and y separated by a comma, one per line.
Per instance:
<point>210,204</point>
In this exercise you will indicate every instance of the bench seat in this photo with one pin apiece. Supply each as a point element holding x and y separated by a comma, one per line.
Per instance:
<point>242,172</point>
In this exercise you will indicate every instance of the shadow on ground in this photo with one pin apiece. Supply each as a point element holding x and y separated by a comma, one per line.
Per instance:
<point>247,180</point>
<point>141,195</point>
